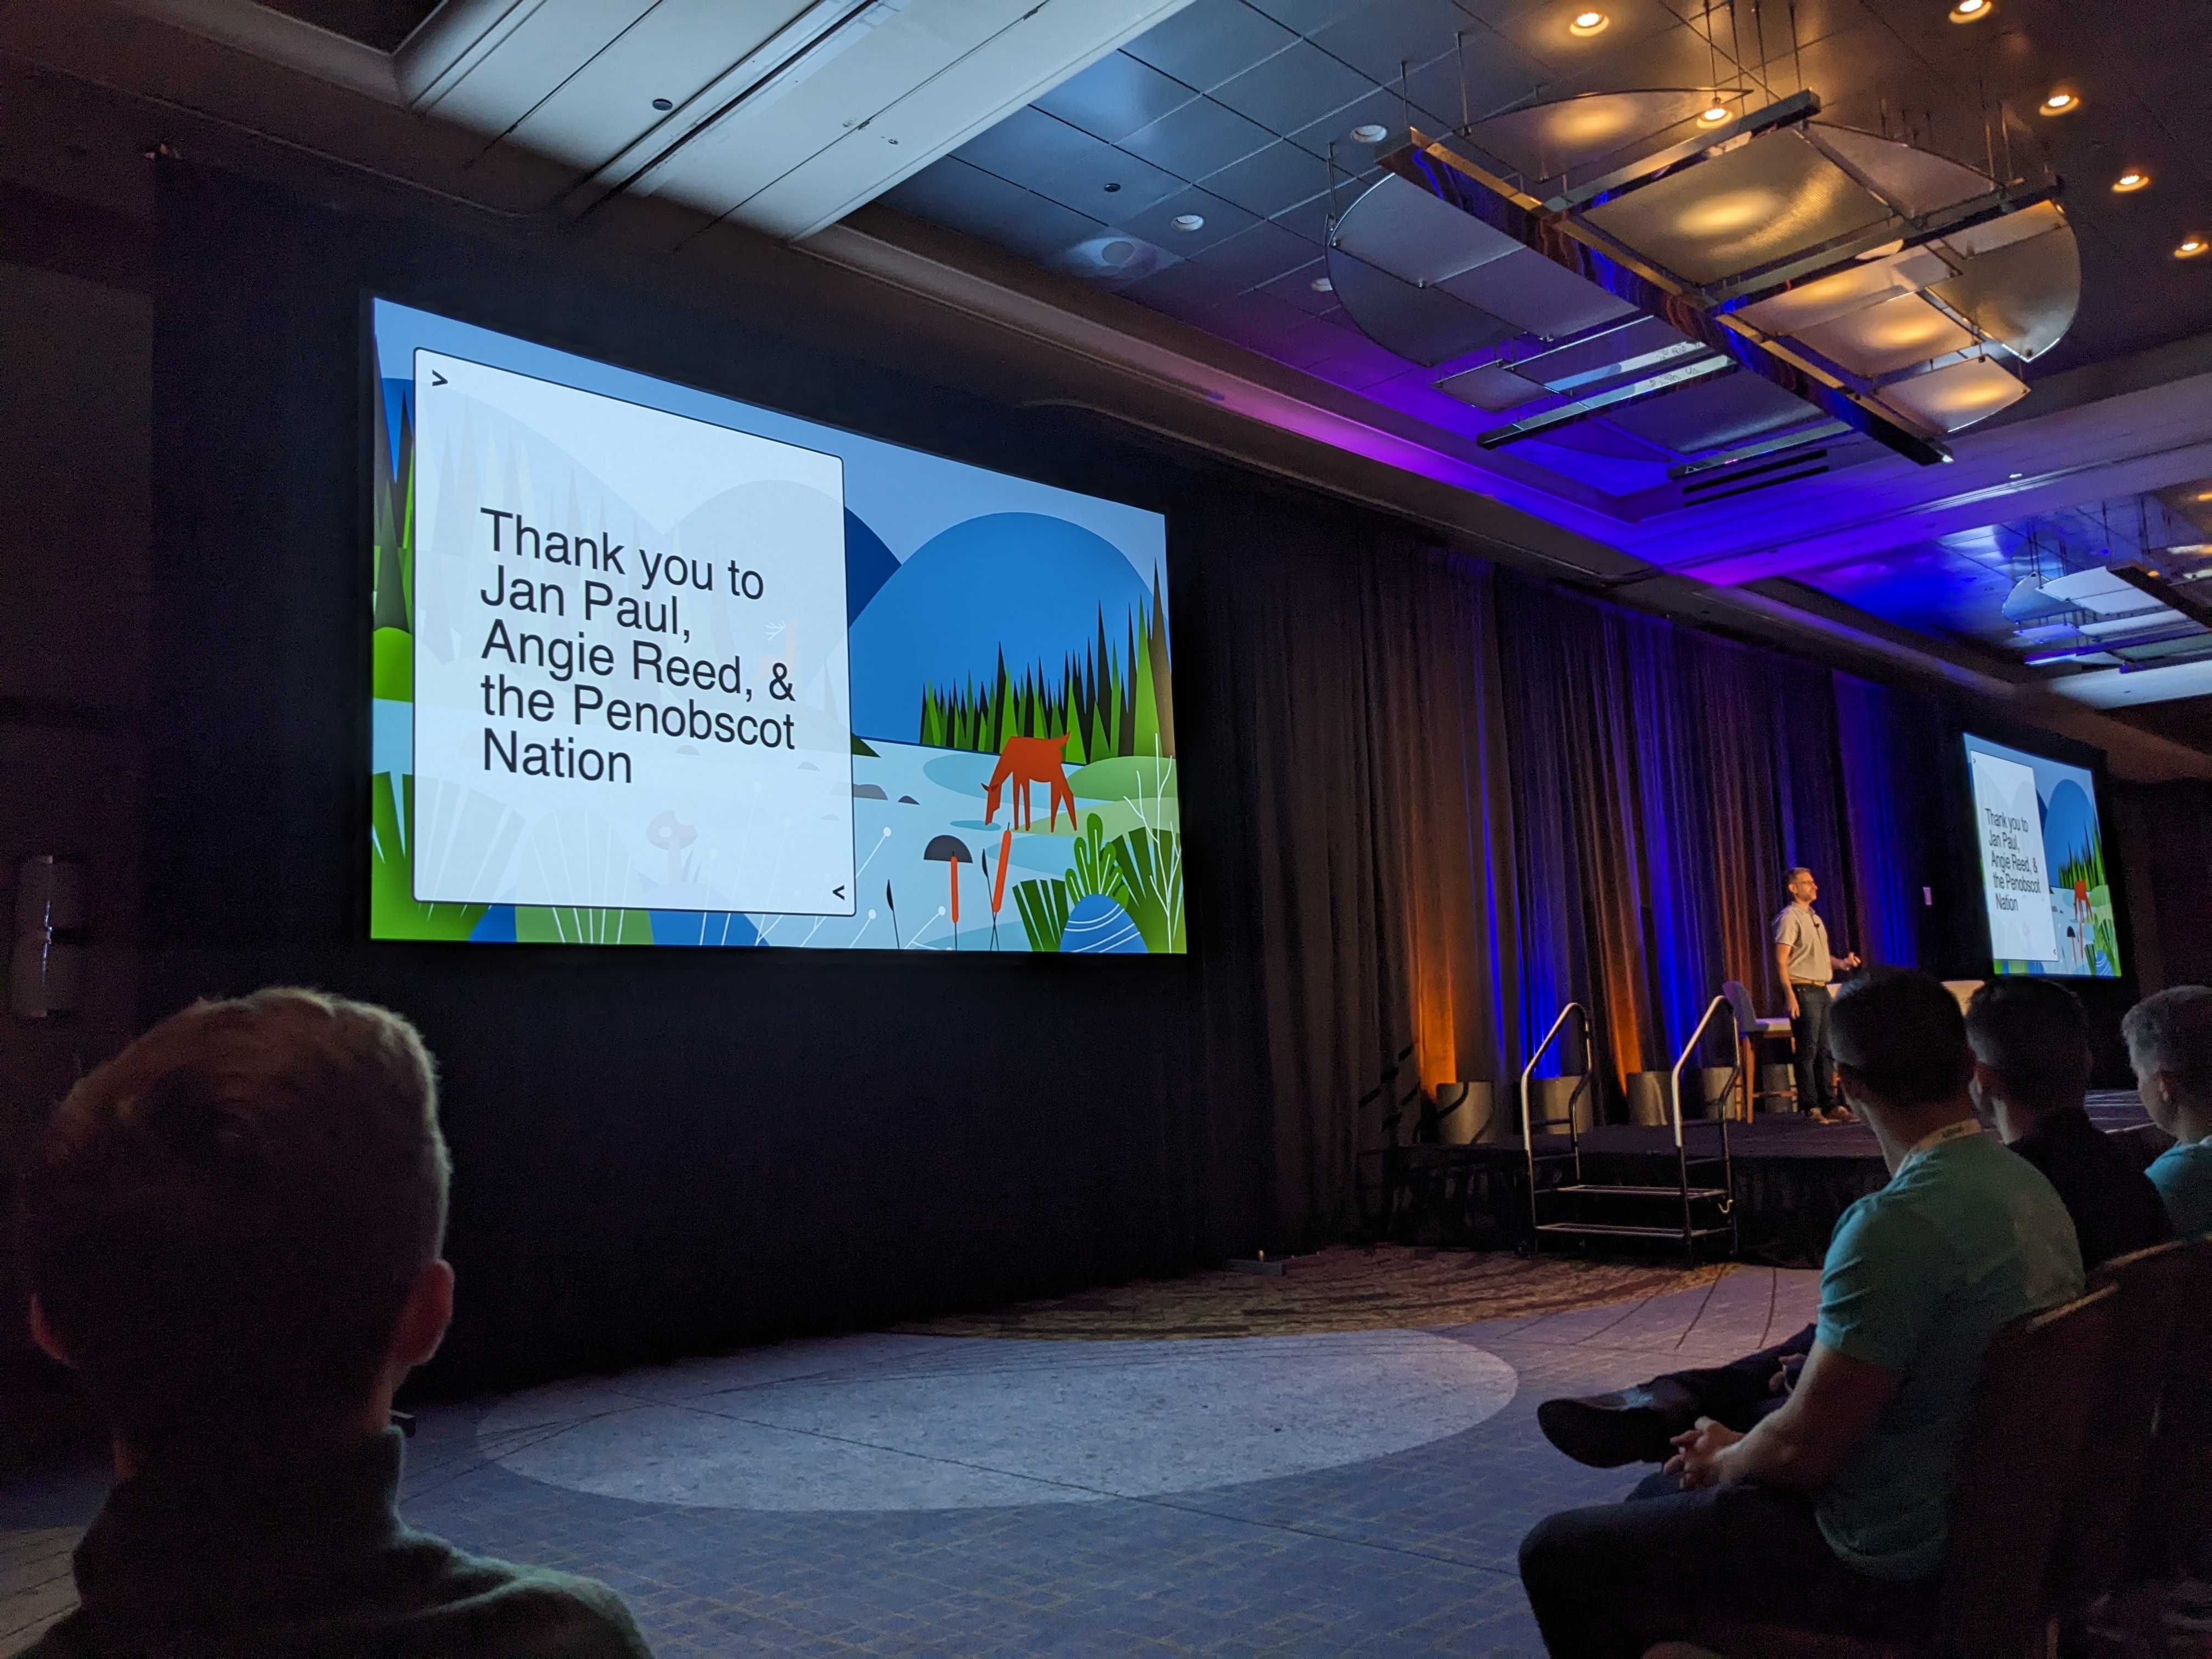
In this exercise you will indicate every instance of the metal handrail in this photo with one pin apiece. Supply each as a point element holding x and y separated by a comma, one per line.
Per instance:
<point>1528,1132</point>
<point>1681,1155</point>
<point>1528,1071</point>
<point>1674,1079</point>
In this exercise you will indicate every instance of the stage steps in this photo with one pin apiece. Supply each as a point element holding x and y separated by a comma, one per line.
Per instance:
<point>1697,1209</point>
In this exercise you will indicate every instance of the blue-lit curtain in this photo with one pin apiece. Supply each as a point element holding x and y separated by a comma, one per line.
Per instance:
<point>1583,881</point>
<point>1737,732</point>
<point>1663,781</point>
<point>1682,925</point>
<point>1887,845</point>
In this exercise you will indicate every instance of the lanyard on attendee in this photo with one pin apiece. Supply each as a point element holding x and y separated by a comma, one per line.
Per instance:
<point>1929,1143</point>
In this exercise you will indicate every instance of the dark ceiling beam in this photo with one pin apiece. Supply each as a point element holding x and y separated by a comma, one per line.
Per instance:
<point>2165,592</point>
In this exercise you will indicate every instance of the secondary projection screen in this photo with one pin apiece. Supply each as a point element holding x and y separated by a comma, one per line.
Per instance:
<point>654,667</point>
<point>2044,882</point>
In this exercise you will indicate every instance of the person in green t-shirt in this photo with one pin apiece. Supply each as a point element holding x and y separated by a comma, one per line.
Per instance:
<point>232,1232</point>
<point>2169,1038</point>
<point>1831,1514</point>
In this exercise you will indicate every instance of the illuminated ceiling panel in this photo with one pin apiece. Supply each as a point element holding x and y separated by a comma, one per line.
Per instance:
<point>1752,207</point>
<point>1885,337</point>
<point>1948,399</point>
<point>1810,304</point>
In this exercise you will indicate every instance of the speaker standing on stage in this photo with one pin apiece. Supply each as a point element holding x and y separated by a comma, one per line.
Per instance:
<point>1805,966</point>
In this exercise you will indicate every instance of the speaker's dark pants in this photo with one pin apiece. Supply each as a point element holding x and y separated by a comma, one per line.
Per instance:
<point>1816,1068</point>
<point>1673,1565</point>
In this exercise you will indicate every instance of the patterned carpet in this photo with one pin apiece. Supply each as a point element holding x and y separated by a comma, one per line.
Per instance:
<point>1345,1288</point>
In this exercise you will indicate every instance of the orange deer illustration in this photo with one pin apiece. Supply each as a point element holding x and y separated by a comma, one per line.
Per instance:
<point>1026,761</point>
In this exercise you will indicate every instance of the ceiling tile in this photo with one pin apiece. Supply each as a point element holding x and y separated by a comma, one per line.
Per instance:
<point>1308,16</point>
<point>1057,161</point>
<point>1026,145</point>
<point>1208,42</point>
<point>1490,77</point>
<point>1255,256</point>
<point>1541,31</point>
<point>1357,361</point>
<point>1106,180</point>
<point>952,193</point>
<point>1282,332</point>
<point>1296,288</point>
<point>1201,137</point>
<point>1382,35</point>
<point>1310,218</point>
<point>1187,291</point>
<point>1674,57</point>
<point>1383,108</point>
<point>1278,177</point>
<point>1293,88</point>
<point>1115,96</point>
<point>1156,223</point>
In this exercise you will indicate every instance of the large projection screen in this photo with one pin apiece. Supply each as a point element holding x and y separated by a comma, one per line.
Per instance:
<point>655,666</point>
<point>2044,883</point>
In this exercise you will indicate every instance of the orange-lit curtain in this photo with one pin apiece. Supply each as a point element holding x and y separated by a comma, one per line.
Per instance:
<point>1341,688</point>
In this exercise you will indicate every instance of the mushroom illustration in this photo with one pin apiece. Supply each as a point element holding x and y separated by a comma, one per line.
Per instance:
<point>672,835</point>
<point>951,852</point>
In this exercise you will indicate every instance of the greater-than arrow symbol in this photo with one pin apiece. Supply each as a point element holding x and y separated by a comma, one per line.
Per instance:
<point>436,378</point>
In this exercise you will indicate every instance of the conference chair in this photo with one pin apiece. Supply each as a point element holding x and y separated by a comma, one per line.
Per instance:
<point>1755,1031</point>
<point>2097,1525</point>
<point>2024,1439</point>
<point>2173,1505</point>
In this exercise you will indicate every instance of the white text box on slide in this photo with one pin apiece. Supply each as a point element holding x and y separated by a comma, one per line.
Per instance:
<point>631,686</point>
<point>2016,885</point>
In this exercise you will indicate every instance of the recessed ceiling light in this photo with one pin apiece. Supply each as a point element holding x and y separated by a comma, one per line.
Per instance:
<point>1587,23</point>
<point>1323,285</point>
<point>662,103</point>
<point>1112,187</point>
<point>2190,249</point>
<point>2015,475</point>
<point>2060,103</point>
<point>1968,11</point>
<point>2133,179</point>
<point>1370,132</point>
<point>1715,116</point>
<point>1188,221</point>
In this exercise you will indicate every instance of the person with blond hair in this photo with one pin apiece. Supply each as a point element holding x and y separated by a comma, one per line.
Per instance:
<point>2169,1038</point>
<point>232,1233</point>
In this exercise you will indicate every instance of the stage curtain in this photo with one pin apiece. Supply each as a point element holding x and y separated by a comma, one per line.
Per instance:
<point>1737,731</point>
<point>1348,702</point>
<point>1664,780</point>
<point>1572,739</point>
<point>1874,727</point>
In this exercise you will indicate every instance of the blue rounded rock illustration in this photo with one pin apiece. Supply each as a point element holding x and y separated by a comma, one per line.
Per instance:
<point>1098,926</point>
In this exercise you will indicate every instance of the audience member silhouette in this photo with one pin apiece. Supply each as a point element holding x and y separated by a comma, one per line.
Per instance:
<point>232,1231</point>
<point>1832,1513</point>
<point>2169,1038</point>
<point>2030,1039</point>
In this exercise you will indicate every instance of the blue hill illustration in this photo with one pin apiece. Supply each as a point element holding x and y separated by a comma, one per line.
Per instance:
<point>1023,583</point>
<point>2070,824</point>
<point>868,564</point>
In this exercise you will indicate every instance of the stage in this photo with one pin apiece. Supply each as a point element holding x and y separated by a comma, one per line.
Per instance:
<point>1792,1178</point>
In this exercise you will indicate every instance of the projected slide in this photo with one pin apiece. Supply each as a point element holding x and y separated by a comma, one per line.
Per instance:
<point>654,667</point>
<point>2043,865</point>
